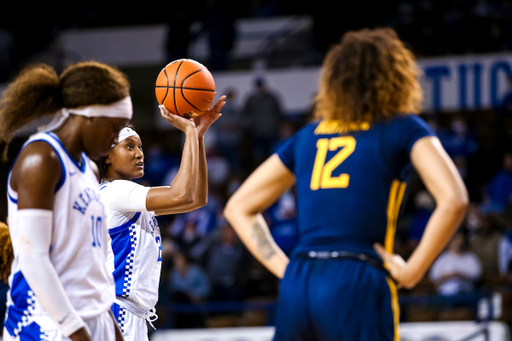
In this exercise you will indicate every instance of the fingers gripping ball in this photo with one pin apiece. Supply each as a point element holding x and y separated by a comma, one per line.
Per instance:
<point>185,87</point>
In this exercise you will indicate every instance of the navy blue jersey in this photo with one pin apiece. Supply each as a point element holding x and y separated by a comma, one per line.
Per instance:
<point>351,181</point>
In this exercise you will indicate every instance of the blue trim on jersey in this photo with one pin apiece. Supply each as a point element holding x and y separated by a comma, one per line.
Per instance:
<point>123,247</point>
<point>15,201</point>
<point>33,332</point>
<point>23,303</point>
<point>104,184</point>
<point>126,225</point>
<point>80,167</point>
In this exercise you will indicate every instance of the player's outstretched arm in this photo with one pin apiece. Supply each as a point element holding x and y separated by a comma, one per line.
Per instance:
<point>202,124</point>
<point>180,193</point>
<point>443,181</point>
<point>243,211</point>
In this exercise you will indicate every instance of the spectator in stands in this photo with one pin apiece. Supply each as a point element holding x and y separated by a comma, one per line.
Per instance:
<point>190,230</point>
<point>188,279</point>
<point>230,131</point>
<point>262,111</point>
<point>224,258</point>
<point>424,206</point>
<point>505,246</point>
<point>459,141</point>
<point>457,269</point>
<point>282,221</point>
<point>498,192</point>
<point>188,284</point>
<point>484,245</point>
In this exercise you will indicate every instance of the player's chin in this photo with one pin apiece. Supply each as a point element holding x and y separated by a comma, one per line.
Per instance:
<point>139,173</point>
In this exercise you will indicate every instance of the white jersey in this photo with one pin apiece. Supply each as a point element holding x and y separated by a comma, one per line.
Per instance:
<point>78,249</point>
<point>135,250</point>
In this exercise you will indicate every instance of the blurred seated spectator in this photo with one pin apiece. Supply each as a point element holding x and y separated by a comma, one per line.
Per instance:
<point>282,220</point>
<point>484,244</point>
<point>498,191</point>
<point>457,269</point>
<point>424,205</point>
<point>505,253</point>
<point>223,264</point>
<point>459,141</point>
<point>190,228</point>
<point>505,247</point>
<point>188,280</point>
<point>188,284</point>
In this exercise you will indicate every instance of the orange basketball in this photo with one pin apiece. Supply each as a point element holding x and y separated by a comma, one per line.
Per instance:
<point>185,87</point>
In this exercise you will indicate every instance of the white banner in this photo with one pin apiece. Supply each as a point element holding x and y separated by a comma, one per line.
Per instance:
<point>449,84</point>
<point>466,82</point>
<point>424,331</point>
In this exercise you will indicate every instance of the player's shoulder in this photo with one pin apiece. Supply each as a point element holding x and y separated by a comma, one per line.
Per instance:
<point>115,185</point>
<point>38,157</point>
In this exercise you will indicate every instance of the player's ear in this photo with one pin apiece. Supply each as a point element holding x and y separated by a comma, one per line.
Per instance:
<point>107,160</point>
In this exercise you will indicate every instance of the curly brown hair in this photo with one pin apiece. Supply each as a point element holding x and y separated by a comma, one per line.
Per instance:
<point>7,253</point>
<point>38,91</point>
<point>370,75</point>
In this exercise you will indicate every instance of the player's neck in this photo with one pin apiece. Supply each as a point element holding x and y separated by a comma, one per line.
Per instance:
<point>69,135</point>
<point>112,176</point>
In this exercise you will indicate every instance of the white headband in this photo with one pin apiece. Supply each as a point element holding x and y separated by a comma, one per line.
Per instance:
<point>125,133</point>
<point>119,109</point>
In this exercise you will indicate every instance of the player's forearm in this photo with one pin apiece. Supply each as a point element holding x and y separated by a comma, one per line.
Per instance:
<point>35,228</point>
<point>254,233</point>
<point>201,195</point>
<point>440,228</point>
<point>182,190</point>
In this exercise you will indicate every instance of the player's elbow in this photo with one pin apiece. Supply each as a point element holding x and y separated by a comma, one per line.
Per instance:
<point>186,199</point>
<point>230,210</point>
<point>457,202</point>
<point>200,202</point>
<point>460,202</point>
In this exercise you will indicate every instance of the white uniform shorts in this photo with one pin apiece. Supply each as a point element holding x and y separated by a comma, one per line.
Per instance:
<point>99,328</point>
<point>133,327</point>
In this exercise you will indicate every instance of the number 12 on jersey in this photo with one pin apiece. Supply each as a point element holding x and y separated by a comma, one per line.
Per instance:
<point>322,172</point>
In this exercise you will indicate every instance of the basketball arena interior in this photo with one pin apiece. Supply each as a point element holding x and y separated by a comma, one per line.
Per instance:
<point>464,51</point>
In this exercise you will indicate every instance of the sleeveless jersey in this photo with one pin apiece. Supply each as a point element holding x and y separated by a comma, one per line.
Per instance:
<point>78,249</point>
<point>351,181</point>
<point>135,251</point>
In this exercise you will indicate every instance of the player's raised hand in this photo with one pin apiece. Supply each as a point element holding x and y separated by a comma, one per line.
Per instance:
<point>396,266</point>
<point>177,121</point>
<point>204,121</point>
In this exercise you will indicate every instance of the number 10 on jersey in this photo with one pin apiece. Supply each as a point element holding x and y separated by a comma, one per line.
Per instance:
<point>96,231</point>
<point>322,172</point>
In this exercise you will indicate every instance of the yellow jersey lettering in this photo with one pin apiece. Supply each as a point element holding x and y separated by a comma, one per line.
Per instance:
<point>322,172</point>
<point>329,127</point>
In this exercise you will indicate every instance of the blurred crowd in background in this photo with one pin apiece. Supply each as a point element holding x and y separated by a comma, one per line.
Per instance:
<point>203,259</point>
